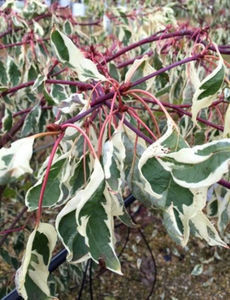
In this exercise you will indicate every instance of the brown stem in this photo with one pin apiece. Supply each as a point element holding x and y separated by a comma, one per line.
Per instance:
<point>8,136</point>
<point>13,225</point>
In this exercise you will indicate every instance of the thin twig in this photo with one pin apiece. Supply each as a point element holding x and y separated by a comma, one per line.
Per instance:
<point>83,280</point>
<point>153,260</point>
<point>18,217</point>
<point>91,280</point>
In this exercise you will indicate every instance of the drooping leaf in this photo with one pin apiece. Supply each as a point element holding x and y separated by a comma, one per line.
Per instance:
<point>31,278</point>
<point>207,90</point>
<point>114,154</point>
<point>205,230</point>
<point>85,224</point>
<point>66,227</point>
<point>183,203</point>
<point>151,176</point>
<point>137,63</point>
<point>95,221</point>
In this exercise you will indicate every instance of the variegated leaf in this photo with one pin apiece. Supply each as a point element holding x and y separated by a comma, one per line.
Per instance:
<point>95,221</point>
<point>207,90</point>
<point>31,122</point>
<point>199,166</point>
<point>223,212</point>
<point>205,230</point>
<point>137,63</point>
<point>31,278</point>
<point>3,74</point>
<point>67,52</point>
<point>183,203</point>
<point>114,154</point>
<point>151,176</point>
<point>66,227</point>
<point>14,161</point>
<point>55,190</point>
<point>13,71</point>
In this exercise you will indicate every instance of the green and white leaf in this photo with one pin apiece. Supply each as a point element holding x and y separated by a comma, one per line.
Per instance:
<point>13,72</point>
<point>67,52</point>
<point>31,278</point>
<point>66,227</point>
<point>152,177</point>
<point>39,81</point>
<point>207,90</point>
<point>205,230</point>
<point>31,122</point>
<point>223,212</point>
<point>15,161</point>
<point>58,93</point>
<point>95,221</point>
<point>114,154</point>
<point>200,166</point>
<point>7,120</point>
<point>56,190</point>
<point>136,64</point>
<point>197,270</point>
<point>171,224</point>
<point>3,74</point>
<point>183,203</point>
<point>72,103</point>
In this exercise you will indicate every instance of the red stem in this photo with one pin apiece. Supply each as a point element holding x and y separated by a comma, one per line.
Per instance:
<point>165,69</point>
<point>22,43</point>
<point>64,126</point>
<point>152,38</point>
<point>81,85</point>
<point>130,61</point>
<point>54,149</point>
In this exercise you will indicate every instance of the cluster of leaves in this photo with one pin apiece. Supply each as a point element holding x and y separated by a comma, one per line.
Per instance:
<point>157,129</point>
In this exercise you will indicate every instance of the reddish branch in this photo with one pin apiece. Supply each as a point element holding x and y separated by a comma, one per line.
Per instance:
<point>165,69</point>
<point>130,61</point>
<point>179,109</point>
<point>5,46</point>
<point>81,85</point>
<point>156,37</point>
<point>152,38</point>
<point>18,217</point>
<point>8,136</point>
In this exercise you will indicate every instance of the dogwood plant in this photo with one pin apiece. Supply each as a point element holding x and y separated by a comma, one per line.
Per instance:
<point>140,108</point>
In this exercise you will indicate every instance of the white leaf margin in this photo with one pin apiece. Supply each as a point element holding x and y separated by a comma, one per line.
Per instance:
<point>78,60</point>
<point>39,276</point>
<point>22,151</point>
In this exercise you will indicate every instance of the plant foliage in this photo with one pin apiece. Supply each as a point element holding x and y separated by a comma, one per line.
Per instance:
<point>137,102</point>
